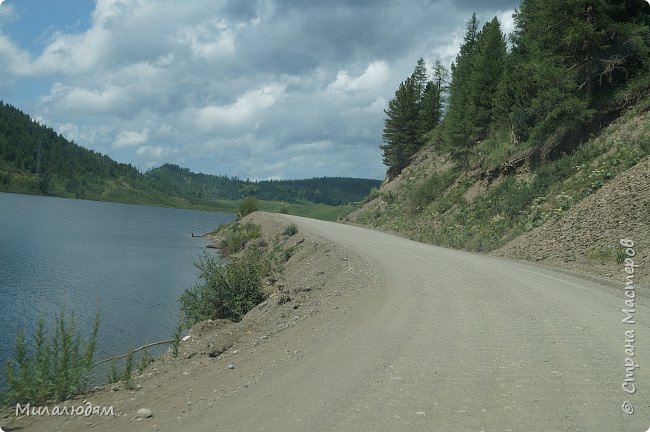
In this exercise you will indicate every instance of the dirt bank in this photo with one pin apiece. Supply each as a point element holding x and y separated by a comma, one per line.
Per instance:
<point>321,281</point>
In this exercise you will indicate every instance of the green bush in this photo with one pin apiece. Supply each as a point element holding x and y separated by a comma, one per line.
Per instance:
<point>178,334</point>
<point>53,369</point>
<point>236,236</point>
<point>228,290</point>
<point>247,206</point>
<point>290,230</point>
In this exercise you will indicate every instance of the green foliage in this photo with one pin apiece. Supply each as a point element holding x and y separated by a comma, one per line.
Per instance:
<point>113,376</point>
<point>178,335</point>
<point>431,189</point>
<point>229,288</point>
<point>288,253</point>
<point>236,235</point>
<point>414,111</point>
<point>290,230</point>
<point>324,190</point>
<point>458,127</point>
<point>53,369</point>
<point>606,255</point>
<point>247,206</point>
<point>127,376</point>
<point>145,361</point>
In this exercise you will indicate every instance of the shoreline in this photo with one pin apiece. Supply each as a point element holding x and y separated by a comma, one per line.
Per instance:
<point>302,293</point>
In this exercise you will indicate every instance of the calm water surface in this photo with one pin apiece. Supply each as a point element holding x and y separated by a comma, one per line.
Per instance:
<point>130,262</point>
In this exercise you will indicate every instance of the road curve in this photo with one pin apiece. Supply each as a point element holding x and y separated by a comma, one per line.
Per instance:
<point>453,341</point>
<point>437,340</point>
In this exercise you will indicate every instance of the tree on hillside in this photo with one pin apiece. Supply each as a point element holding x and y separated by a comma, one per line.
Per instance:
<point>432,98</point>
<point>458,126</point>
<point>401,135</point>
<point>415,110</point>
<point>567,56</point>
<point>487,71</point>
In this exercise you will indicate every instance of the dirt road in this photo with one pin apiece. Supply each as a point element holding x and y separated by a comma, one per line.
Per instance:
<point>440,340</point>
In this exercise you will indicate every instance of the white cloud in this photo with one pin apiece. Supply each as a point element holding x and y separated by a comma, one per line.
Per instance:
<point>150,156</point>
<point>375,75</point>
<point>131,138</point>
<point>507,22</point>
<point>209,41</point>
<point>233,87</point>
<point>243,110</point>
<point>108,100</point>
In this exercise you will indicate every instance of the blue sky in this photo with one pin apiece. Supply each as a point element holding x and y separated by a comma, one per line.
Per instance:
<point>252,88</point>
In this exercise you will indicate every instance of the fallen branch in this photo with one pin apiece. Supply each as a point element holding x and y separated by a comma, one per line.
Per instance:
<point>169,341</point>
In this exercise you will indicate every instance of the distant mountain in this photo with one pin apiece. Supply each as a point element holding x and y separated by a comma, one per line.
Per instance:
<point>324,190</point>
<point>35,159</point>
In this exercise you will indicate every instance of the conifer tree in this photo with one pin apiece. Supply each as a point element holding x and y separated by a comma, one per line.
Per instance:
<point>401,135</point>
<point>458,126</point>
<point>487,71</point>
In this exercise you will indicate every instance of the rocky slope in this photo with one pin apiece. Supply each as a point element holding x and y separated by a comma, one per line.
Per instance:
<point>572,215</point>
<point>586,238</point>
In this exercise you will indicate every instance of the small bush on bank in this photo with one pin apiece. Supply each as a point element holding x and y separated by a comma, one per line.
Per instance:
<point>54,369</point>
<point>290,230</point>
<point>247,206</point>
<point>228,290</point>
<point>237,235</point>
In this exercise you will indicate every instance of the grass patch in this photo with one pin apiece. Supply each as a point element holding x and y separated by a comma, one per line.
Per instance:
<point>606,255</point>
<point>431,189</point>
<point>290,230</point>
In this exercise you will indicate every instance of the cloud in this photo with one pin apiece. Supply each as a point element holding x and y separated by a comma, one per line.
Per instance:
<point>259,89</point>
<point>375,75</point>
<point>131,138</point>
<point>245,109</point>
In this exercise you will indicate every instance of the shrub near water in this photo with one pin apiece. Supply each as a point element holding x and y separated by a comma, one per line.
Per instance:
<point>235,236</point>
<point>228,290</point>
<point>53,369</point>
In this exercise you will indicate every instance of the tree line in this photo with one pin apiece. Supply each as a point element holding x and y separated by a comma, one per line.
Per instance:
<point>566,70</point>
<point>36,159</point>
<point>323,190</point>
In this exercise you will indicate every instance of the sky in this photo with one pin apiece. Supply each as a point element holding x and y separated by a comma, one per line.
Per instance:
<point>258,89</point>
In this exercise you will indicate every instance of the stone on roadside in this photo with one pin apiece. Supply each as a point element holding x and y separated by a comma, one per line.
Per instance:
<point>144,413</point>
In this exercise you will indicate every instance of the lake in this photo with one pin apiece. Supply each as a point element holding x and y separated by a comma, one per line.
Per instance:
<point>129,262</point>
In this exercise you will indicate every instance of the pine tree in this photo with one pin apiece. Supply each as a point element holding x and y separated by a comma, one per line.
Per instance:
<point>458,126</point>
<point>433,98</point>
<point>487,72</point>
<point>401,134</point>
<point>568,54</point>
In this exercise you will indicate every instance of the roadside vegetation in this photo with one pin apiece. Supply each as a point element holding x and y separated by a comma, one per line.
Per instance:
<point>229,288</point>
<point>532,123</point>
<point>54,366</point>
<point>462,209</point>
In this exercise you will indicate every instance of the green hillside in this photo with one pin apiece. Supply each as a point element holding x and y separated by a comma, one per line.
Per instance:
<point>533,123</point>
<point>34,159</point>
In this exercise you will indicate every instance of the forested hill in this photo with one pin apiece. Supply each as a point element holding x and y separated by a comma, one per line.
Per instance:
<point>35,159</point>
<point>567,70</point>
<point>523,129</point>
<point>324,190</point>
